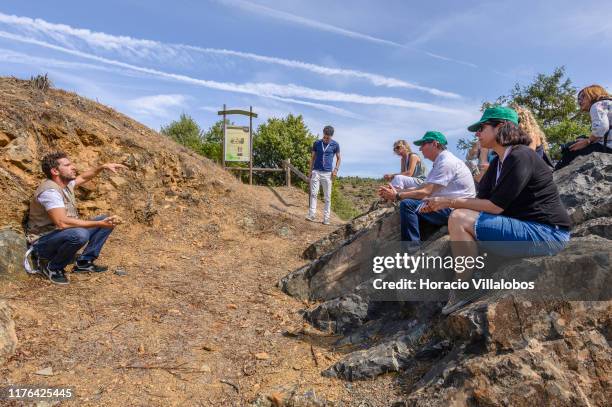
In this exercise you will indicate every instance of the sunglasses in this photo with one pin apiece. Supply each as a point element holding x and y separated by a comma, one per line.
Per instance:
<point>396,148</point>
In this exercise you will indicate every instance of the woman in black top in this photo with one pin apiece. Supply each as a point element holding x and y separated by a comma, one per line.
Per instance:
<point>517,199</point>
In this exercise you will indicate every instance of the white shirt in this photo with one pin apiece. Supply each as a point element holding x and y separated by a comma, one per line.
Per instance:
<point>452,175</point>
<point>51,198</point>
<point>601,118</point>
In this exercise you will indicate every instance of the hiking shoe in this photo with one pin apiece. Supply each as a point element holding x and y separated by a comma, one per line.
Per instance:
<point>87,266</point>
<point>326,222</point>
<point>55,276</point>
<point>310,219</point>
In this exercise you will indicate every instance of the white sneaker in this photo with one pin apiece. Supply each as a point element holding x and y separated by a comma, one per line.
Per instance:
<point>326,222</point>
<point>310,219</point>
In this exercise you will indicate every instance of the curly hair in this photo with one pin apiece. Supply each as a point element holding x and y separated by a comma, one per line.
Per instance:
<point>51,161</point>
<point>529,124</point>
<point>593,93</point>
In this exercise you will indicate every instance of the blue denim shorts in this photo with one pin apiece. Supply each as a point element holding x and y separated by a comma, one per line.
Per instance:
<point>538,239</point>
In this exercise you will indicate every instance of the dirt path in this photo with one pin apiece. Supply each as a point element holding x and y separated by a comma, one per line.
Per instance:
<point>197,320</point>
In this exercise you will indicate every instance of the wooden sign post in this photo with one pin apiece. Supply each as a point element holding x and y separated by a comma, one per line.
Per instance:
<point>235,147</point>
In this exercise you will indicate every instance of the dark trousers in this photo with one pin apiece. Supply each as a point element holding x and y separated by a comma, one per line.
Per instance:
<point>568,156</point>
<point>410,218</point>
<point>61,246</point>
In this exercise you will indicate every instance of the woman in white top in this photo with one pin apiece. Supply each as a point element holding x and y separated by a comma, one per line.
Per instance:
<point>412,172</point>
<point>595,100</point>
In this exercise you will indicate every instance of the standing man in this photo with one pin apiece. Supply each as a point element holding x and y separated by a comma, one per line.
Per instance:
<point>323,171</point>
<point>449,177</point>
<point>54,227</point>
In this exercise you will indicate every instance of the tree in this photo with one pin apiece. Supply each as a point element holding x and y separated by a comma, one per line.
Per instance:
<point>184,131</point>
<point>211,141</point>
<point>280,139</point>
<point>552,99</point>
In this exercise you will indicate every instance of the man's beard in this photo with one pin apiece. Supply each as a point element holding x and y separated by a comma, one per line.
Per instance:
<point>66,179</point>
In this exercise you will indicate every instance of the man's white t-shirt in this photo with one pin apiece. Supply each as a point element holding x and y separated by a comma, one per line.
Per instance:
<point>452,175</point>
<point>51,198</point>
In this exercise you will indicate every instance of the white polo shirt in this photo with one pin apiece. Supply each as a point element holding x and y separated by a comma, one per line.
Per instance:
<point>452,175</point>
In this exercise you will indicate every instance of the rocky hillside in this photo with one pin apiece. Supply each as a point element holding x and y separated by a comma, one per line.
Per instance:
<point>506,349</point>
<point>194,316</point>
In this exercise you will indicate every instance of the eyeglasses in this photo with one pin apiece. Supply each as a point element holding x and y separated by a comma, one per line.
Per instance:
<point>482,125</point>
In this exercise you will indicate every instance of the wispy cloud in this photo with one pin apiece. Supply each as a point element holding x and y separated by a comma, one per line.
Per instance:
<point>11,56</point>
<point>292,18</point>
<point>378,80</point>
<point>66,35</point>
<point>260,89</point>
<point>157,105</point>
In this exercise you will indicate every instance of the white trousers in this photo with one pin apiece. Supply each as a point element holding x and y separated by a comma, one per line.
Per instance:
<point>403,182</point>
<point>324,179</point>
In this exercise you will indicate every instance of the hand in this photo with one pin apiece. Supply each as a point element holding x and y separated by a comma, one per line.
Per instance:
<point>112,221</point>
<point>593,138</point>
<point>483,167</point>
<point>579,145</point>
<point>387,192</point>
<point>334,173</point>
<point>114,167</point>
<point>435,204</point>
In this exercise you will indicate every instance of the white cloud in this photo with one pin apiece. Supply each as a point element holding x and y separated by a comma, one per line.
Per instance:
<point>157,105</point>
<point>148,49</point>
<point>283,15</point>
<point>260,89</point>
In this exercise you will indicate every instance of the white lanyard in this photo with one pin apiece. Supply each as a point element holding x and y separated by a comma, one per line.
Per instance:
<point>500,162</point>
<point>326,147</point>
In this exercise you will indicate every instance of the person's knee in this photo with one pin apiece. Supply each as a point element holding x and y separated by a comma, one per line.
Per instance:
<point>409,205</point>
<point>78,236</point>
<point>461,218</point>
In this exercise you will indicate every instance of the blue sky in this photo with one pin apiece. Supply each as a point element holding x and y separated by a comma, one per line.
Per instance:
<point>376,71</point>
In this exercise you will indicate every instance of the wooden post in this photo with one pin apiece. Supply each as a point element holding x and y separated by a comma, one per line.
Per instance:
<point>288,172</point>
<point>223,141</point>
<point>251,145</point>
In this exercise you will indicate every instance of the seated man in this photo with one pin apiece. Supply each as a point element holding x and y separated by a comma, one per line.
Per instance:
<point>449,177</point>
<point>54,227</point>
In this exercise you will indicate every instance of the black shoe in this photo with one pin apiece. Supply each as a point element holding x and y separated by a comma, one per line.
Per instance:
<point>87,266</point>
<point>55,276</point>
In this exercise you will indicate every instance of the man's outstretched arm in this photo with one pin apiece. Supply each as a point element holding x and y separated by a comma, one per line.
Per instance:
<point>62,221</point>
<point>93,172</point>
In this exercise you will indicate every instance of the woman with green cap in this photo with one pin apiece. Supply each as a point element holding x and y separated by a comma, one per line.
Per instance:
<point>517,200</point>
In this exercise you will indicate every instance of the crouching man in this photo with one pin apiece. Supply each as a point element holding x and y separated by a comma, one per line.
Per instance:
<point>54,228</point>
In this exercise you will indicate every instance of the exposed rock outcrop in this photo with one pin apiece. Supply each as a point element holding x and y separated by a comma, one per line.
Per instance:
<point>12,249</point>
<point>506,348</point>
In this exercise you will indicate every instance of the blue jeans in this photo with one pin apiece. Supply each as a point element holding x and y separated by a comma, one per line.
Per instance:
<point>61,246</point>
<point>410,218</point>
<point>514,237</point>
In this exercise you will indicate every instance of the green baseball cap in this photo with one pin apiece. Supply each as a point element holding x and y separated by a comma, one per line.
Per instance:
<point>496,113</point>
<point>432,136</point>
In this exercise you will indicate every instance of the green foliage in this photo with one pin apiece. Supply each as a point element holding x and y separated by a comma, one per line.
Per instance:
<point>340,204</point>
<point>278,140</point>
<point>184,131</point>
<point>211,141</point>
<point>552,99</point>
